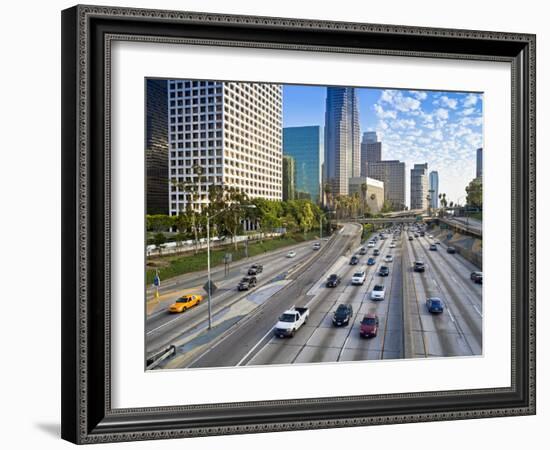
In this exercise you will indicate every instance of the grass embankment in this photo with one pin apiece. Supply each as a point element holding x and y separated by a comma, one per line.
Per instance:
<point>476,215</point>
<point>174,265</point>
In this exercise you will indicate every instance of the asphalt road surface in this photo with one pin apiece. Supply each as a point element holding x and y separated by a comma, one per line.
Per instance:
<point>407,329</point>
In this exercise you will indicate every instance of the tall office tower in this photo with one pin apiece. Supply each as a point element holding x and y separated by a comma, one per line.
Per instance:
<point>392,174</point>
<point>224,133</point>
<point>419,186</point>
<point>305,145</point>
<point>371,150</point>
<point>289,178</point>
<point>479,163</point>
<point>434,188</point>
<point>342,149</point>
<point>156,147</point>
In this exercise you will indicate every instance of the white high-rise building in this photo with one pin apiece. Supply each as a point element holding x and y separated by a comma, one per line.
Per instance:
<point>434,189</point>
<point>419,186</point>
<point>392,174</point>
<point>223,133</point>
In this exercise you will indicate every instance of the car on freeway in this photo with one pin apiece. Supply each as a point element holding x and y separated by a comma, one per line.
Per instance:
<point>291,254</point>
<point>410,238</point>
<point>291,321</point>
<point>384,271</point>
<point>316,246</point>
<point>422,233</point>
<point>255,269</point>
<point>333,280</point>
<point>477,277</point>
<point>451,250</point>
<point>419,266</point>
<point>185,302</point>
<point>362,251</point>
<point>371,261</point>
<point>370,244</point>
<point>354,260</point>
<point>433,247</point>
<point>247,283</point>
<point>378,292</point>
<point>388,258</point>
<point>434,305</point>
<point>437,243</point>
<point>342,315</point>
<point>369,325</point>
<point>358,278</point>
<point>416,235</point>
<point>392,245</point>
<point>376,252</point>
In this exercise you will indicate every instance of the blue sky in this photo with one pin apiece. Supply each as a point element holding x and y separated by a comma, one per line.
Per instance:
<point>443,129</point>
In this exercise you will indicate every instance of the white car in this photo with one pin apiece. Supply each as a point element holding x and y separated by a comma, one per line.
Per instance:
<point>392,245</point>
<point>388,258</point>
<point>291,254</point>
<point>358,278</point>
<point>370,244</point>
<point>378,292</point>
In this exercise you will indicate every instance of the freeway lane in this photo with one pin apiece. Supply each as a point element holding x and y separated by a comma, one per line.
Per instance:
<point>320,341</point>
<point>231,350</point>
<point>162,328</point>
<point>458,331</point>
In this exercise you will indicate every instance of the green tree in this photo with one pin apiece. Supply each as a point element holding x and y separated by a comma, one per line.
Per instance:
<point>159,239</point>
<point>474,193</point>
<point>159,222</point>
<point>386,207</point>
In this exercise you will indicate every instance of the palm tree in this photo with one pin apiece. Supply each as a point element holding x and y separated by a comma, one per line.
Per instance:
<point>364,189</point>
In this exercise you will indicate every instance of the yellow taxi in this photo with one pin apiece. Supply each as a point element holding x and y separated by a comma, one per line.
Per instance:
<point>185,302</point>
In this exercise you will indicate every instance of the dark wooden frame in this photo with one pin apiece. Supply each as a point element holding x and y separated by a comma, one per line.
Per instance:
<point>87,31</point>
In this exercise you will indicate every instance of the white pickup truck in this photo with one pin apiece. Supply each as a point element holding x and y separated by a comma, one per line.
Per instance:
<point>290,321</point>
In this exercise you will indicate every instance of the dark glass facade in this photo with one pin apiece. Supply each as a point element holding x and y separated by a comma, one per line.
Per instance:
<point>156,147</point>
<point>305,145</point>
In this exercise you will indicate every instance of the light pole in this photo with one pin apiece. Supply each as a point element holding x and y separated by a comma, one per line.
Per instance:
<point>208,217</point>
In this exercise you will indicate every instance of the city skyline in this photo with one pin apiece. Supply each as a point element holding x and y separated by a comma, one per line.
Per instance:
<point>441,128</point>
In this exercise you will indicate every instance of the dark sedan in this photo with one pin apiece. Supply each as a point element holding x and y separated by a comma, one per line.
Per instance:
<point>342,315</point>
<point>451,250</point>
<point>354,260</point>
<point>477,277</point>
<point>384,271</point>
<point>371,262</point>
<point>255,269</point>
<point>333,280</point>
<point>246,283</point>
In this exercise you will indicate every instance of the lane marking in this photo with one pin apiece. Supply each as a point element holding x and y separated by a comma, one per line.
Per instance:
<point>254,348</point>
<point>451,315</point>
<point>477,310</point>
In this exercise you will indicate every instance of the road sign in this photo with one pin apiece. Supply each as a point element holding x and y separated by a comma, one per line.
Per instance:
<point>156,281</point>
<point>213,287</point>
<point>228,257</point>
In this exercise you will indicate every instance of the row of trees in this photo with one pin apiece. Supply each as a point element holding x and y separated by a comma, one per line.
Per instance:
<point>228,207</point>
<point>353,205</point>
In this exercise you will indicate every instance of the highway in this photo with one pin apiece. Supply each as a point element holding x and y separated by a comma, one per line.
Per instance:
<point>406,328</point>
<point>163,328</point>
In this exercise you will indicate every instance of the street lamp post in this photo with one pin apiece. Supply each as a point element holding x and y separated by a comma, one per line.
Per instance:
<point>208,217</point>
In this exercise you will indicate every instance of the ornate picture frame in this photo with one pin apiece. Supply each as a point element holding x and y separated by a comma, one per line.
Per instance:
<point>87,35</point>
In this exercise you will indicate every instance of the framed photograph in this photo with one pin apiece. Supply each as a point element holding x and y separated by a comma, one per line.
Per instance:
<point>283,224</point>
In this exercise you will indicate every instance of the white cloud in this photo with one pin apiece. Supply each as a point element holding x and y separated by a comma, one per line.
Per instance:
<point>382,114</point>
<point>437,134</point>
<point>442,114</point>
<point>419,95</point>
<point>399,101</point>
<point>403,124</point>
<point>470,100</point>
<point>446,101</point>
<point>468,111</point>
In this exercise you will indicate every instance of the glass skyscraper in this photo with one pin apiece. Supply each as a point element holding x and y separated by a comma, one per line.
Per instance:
<point>305,145</point>
<point>342,140</point>
<point>156,147</point>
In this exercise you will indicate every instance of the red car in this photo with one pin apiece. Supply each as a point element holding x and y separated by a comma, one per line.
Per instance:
<point>369,325</point>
